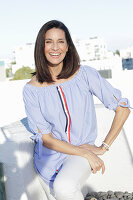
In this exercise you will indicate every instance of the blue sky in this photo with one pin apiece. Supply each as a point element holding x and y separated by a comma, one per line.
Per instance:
<point>20,20</point>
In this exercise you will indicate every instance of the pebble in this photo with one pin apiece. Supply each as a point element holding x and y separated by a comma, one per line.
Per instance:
<point>90,198</point>
<point>117,195</point>
<point>110,192</point>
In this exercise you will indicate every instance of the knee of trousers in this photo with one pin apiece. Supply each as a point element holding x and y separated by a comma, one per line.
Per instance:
<point>65,187</point>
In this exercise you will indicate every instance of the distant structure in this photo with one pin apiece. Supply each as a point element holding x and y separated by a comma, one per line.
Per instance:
<point>93,52</point>
<point>127,63</point>
<point>24,56</point>
<point>126,53</point>
<point>92,49</point>
<point>2,71</point>
<point>127,58</point>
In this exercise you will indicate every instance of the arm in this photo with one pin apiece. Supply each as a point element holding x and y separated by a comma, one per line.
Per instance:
<point>121,115</point>
<point>60,146</point>
<point>112,99</point>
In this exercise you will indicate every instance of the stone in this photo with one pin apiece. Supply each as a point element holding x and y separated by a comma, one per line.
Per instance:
<point>103,194</point>
<point>124,197</point>
<point>104,197</point>
<point>88,195</point>
<point>110,195</point>
<point>100,198</point>
<point>90,198</point>
<point>110,192</point>
<point>118,194</point>
<point>94,194</point>
<point>87,198</point>
<point>126,194</point>
<point>130,195</point>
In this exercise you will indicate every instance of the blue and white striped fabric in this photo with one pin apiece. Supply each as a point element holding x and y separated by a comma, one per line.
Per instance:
<point>67,111</point>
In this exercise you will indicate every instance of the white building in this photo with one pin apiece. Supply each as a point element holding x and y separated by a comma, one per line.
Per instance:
<point>126,53</point>
<point>2,71</point>
<point>24,56</point>
<point>112,66</point>
<point>94,48</point>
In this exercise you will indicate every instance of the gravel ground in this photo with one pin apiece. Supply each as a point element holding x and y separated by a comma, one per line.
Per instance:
<point>109,195</point>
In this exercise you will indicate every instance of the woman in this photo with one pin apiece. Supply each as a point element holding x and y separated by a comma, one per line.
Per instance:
<point>61,114</point>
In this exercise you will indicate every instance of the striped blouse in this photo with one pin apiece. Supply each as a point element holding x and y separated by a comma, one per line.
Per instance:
<point>67,111</point>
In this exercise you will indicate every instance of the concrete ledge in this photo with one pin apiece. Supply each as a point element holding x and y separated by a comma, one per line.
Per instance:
<point>16,154</point>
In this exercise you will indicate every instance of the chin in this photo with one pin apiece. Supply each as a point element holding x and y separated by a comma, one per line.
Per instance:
<point>54,64</point>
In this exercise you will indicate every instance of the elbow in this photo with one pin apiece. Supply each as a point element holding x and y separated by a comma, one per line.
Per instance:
<point>123,111</point>
<point>47,140</point>
<point>128,111</point>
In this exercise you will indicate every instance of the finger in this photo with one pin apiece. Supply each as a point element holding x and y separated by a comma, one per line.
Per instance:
<point>98,166</point>
<point>103,169</point>
<point>93,170</point>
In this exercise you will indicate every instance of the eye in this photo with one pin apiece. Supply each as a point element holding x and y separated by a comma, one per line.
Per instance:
<point>48,41</point>
<point>61,41</point>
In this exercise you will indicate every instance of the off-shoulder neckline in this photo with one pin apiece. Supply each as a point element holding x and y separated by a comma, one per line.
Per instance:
<point>65,83</point>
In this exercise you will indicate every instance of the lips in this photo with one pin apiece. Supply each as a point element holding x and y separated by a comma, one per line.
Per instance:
<point>55,55</point>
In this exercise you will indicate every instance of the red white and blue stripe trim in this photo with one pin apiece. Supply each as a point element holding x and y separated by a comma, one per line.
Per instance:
<point>65,108</point>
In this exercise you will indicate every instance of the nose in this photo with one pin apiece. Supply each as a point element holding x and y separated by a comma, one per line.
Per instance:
<point>55,46</point>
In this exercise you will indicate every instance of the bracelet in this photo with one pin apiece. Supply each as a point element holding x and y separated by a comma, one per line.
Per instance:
<point>106,146</point>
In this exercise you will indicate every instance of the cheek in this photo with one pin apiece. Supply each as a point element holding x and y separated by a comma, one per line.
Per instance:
<point>65,49</point>
<point>46,51</point>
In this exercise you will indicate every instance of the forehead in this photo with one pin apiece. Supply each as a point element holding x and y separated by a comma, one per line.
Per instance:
<point>55,33</point>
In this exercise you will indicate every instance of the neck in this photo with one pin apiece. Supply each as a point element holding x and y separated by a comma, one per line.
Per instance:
<point>55,70</point>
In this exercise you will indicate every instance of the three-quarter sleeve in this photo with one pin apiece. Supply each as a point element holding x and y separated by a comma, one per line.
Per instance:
<point>35,118</point>
<point>101,88</point>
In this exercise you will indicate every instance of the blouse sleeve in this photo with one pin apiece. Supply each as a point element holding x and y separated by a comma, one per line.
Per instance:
<point>35,118</point>
<point>101,88</point>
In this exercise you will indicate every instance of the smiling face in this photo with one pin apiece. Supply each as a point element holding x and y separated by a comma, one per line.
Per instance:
<point>56,47</point>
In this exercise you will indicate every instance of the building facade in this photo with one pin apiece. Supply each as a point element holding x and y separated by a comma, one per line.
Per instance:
<point>24,56</point>
<point>92,49</point>
<point>126,53</point>
<point>127,63</point>
<point>2,71</point>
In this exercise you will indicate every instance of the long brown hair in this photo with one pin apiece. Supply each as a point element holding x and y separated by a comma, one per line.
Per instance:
<point>71,61</point>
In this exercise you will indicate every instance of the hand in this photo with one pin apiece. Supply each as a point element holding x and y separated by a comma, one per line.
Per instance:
<point>96,150</point>
<point>95,162</point>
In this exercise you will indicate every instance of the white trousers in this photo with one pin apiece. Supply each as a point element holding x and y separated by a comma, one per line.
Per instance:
<point>70,180</point>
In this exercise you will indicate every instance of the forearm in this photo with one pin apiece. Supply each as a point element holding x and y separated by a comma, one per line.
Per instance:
<point>119,119</point>
<point>60,146</point>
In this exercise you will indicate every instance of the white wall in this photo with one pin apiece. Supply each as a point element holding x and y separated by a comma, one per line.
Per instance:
<point>11,102</point>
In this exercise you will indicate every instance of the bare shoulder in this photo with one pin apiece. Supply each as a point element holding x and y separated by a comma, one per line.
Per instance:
<point>34,81</point>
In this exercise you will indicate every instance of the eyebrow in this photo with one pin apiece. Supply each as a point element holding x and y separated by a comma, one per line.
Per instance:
<point>51,39</point>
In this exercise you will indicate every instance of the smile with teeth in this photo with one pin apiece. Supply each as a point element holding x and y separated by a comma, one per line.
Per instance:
<point>55,55</point>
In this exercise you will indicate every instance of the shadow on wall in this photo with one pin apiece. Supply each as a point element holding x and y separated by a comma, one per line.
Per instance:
<point>16,154</point>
